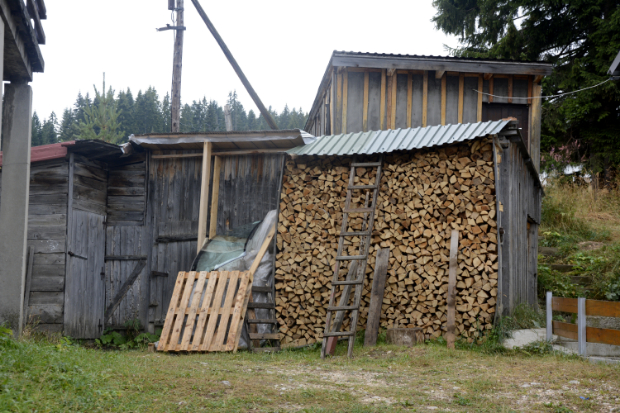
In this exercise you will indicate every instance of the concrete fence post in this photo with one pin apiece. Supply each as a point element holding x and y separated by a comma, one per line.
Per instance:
<point>581,325</point>
<point>549,310</point>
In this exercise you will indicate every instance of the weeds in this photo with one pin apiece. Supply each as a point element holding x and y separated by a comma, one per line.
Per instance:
<point>132,338</point>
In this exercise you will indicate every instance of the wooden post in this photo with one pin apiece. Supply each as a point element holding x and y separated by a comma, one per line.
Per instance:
<point>228,118</point>
<point>425,99</point>
<point>581,326</point>
<point>177,69</point>
<point>215,197</point>
<point>204,194</point>
<point>263,110</point>
<point>549,311</point>
<point>461,97</point>
<point>454,250</point>
<point>409,97</point>
<point>345,98</point>
<point>382,100</point>
<point>444,86</point>
<point>28,283</point>
<point>480,90</point>
<point>365,103</point>
<point>376,297</point>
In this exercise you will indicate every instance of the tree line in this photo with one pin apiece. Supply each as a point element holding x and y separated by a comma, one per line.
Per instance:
<point>113,117</point>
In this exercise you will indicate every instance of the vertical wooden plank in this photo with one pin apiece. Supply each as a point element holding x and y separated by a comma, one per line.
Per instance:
<point>510,79</point>
<point>215,197</point>
<point>536,111</point>
<point>461,97</point>
<point>174,344</point>
<point>69,240</point>
<point>345,99</point>
<point>365,104</point>
<point>390,80</point>
<point>425,99</point>
<point>241,305</point>
<point>332,91</point>
<point>451,301</point>
<point>529,90</point>
<point>28,283</point>
<point>204,194</point>
<point>204,310</point>
<point>218,342</point>
<point>214,311</point>
<point>339,102</point>
<point>393,103</point>
<point>409,98</point>
<point>444,81</point>
<point>382,102</point>
<point>491,90</point>
<point>480,88</point>
<point>376,297</point>
<point>193,309</point>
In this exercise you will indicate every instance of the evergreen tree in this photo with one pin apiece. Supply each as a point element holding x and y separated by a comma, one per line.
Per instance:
<point>36,139</point>
<point>126,110</point>
<point>212,121</point>
<point>49,130</point>
<point>101,120</point>
<point>187,119</point>
<point>252,121</point>
<point>237,112</point>
<point>581,39</point>
<point>148,116</point>
<point>166,114</point>
<point>69,126</point>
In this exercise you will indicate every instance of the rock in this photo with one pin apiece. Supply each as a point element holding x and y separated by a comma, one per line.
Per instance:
<point>573,382</point>
<point>405,336</point>
<point>562,267</point>
<point>226,383</point>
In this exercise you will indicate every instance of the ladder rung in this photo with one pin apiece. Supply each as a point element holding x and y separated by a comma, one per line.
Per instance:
<point>351,282</point>
<point>356,210</point>
<point>345,308</point>
<point>365,164</point>
<point>351,257</point>
<point>264,336</point>
<point>339,334</point>
<point>262,321</point>
<point>355,234</point>
<point>261,305</point>
<point>262,289</point>
<point>363,187</point>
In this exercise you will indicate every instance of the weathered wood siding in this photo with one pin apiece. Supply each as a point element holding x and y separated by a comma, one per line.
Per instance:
<point>521,201</point>
<point>352,99</point>
<point>47,218</point>
<point>90,183</point>
<point>127,236</point>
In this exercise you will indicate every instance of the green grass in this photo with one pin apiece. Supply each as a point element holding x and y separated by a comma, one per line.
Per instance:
<point>42,376</point>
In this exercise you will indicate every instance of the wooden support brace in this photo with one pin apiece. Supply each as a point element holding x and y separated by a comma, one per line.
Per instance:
<point>204,194</point>
<point>451,301</point>
<point>215,197</point>
<point>376,297</point>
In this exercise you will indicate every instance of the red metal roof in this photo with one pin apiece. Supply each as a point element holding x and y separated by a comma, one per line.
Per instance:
<point>47,152</point>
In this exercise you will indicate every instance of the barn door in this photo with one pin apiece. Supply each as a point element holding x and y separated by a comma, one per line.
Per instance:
<point>85,286</point>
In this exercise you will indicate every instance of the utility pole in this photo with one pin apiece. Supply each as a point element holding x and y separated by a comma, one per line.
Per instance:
<point>177,68</point>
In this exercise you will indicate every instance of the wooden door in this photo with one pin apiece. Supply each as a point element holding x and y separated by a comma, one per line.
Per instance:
<point>85,284</point>
<point>498,111</point>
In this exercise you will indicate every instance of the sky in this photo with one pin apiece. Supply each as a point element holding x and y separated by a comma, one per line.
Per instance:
<point>282,46</point>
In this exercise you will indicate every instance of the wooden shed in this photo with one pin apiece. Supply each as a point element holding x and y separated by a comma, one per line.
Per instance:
<point>372,91</point>
<point>475,178</point>
<point>112,226</point>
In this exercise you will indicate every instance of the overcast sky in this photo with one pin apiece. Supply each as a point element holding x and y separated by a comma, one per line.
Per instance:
<point>282,46</point>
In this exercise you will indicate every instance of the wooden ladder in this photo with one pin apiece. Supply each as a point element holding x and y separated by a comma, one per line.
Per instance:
<point>252,322</point>
<point>358,262</point>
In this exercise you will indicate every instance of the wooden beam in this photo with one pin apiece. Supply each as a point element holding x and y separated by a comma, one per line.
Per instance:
<point>177,69</point>
<point>439,74</point>
<point>28,283</point>
<point>451,299</point>
<point>535,116</point>
<point>215,197</point>
<point>488,76</point>
<point>376,297</point>
<point>461,96</point>
<point>332,93</point>
<point>382,102</point>
<point>394,88</point>
<point>425,99</point>
<point>34,14</point>
<point>443,99</point>
<point>339,102</point>
<point>345,98</point>
<point>480,88</point>
<point>409,98</point>
<point>529,90</point>
<point>490,90</point>
<point>509,89</point>
<point>123,290</point>
<point>390,80</point>
<point>239,152</point>
<point>538,79</point>
<point>365,103</point>
<point>204,194</point>
<point>263,110</point>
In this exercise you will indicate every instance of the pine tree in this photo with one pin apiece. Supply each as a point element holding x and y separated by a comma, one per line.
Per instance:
<point>252,121</point>
<point>36,139</point>
<point>101,120</point>
<point>49,130</point>
<point>166,114</point>
<point>148,114</point>
<point>126,110</point>
<point>69,126</point>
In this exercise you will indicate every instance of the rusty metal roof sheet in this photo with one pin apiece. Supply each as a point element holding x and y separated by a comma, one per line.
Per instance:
<point>399,139</point>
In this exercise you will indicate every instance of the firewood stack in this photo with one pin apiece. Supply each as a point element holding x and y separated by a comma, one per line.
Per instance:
<point>423,196</point>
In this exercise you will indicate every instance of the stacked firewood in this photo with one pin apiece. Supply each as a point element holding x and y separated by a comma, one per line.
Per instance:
<point>423,196</point>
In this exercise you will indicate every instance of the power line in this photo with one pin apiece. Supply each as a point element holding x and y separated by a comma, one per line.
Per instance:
<point>543,97</point>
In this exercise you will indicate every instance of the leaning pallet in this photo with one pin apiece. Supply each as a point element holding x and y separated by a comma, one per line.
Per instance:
<point>207,309</point>
<point>424,195</point>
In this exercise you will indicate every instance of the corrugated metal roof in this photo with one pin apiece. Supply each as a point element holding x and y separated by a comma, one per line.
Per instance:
<point>419,56</point>
<point>399,139</point>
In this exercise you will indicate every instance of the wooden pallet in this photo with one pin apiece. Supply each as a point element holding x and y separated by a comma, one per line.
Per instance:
<point>206,311</point>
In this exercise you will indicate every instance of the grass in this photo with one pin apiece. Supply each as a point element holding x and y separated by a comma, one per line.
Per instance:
<point>573,218</point>
<point>43,376</point>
